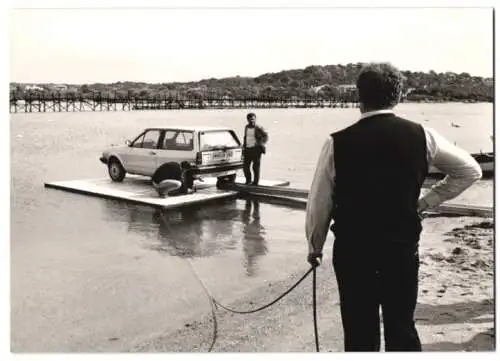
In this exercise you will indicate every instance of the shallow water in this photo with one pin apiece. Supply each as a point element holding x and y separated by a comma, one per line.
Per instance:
<point>85,270</point>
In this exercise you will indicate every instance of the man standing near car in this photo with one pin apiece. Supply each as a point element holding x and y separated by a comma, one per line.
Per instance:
<point>254,141</point>
<point>368,180</point>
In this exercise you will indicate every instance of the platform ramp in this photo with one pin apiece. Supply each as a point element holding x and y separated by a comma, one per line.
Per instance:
<point>297,198</point>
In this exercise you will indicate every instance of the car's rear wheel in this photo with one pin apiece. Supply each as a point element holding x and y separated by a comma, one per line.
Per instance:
<point>225,180</point>
<point>116,170</point>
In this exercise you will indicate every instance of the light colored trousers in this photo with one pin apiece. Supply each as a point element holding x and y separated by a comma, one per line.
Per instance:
<point>166,186</point>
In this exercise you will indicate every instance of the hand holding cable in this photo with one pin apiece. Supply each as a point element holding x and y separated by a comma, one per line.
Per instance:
<point>314,259</point>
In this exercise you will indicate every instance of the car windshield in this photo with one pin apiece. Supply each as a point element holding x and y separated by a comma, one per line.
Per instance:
<point>148,139</point>
<point>219,139</point>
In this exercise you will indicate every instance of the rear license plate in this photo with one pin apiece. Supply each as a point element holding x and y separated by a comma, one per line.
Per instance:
<point>222,155</point>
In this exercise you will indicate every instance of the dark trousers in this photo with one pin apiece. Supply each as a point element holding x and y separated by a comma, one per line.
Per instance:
<point>368,279</point>
<point>251,156</point>
<point>188,181</point>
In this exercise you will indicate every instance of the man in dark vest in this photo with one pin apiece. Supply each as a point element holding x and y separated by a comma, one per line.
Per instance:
<point>254,140</point>
<point>368,181</point>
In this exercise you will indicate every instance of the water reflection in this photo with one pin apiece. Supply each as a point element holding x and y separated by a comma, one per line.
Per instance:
<point>192,232</point>
<point>254,242</point>
<point>201,232</point>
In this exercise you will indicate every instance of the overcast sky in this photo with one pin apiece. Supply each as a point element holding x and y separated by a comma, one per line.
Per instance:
<point>165,45</point>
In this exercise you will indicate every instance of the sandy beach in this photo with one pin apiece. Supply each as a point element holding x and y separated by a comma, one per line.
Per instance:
<point>455,309</point>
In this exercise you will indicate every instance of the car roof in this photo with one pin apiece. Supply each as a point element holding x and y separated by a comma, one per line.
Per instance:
<point>195,128</point>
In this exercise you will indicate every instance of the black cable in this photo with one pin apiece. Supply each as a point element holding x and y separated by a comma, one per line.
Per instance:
<point>214,318</point>
<point>315,311</point>
<point>270,303</point>
<point>214,303</point>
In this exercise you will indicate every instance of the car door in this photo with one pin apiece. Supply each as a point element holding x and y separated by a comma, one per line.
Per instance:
<point>177,146</point>
<point>141,158</point>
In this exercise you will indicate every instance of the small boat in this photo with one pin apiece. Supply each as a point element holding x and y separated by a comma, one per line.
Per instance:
<point>485,160</point>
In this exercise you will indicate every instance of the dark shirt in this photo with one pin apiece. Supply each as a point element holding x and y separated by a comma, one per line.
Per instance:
<point>169,170</point>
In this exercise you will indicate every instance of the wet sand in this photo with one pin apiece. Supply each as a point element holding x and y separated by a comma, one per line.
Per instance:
<point>455,309</point>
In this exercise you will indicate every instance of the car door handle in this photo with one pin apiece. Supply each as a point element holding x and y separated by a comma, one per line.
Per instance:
<point>152,153</point>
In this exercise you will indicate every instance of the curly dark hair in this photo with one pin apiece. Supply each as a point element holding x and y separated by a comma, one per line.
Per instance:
<point>251,115</point>
<point>379,86</point>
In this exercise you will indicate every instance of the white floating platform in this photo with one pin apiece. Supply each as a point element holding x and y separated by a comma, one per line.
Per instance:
<point>139,190</point>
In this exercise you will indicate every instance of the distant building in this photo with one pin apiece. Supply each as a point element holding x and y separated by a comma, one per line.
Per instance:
<point>33,88</point>
<point>318,88</point>
<point>344,88</point>
<point>60,87</point>
<point>409,91</point>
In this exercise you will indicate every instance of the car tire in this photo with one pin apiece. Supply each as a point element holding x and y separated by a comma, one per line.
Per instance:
<point>115,170</point>
<point>225,180</point>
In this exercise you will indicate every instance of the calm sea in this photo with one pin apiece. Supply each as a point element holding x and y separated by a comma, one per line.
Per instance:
<point>85,270</point>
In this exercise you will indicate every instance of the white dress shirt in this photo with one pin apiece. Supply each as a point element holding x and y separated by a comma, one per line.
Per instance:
<point>250,137</point>
<point>460,168</point>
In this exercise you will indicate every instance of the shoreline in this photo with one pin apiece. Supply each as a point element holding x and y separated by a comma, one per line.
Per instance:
<point>455,307</point>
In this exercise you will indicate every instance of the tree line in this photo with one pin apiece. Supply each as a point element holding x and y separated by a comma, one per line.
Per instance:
<point>313,82</point>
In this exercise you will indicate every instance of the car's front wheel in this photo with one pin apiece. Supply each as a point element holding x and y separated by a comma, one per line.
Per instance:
<point>116,170</point>
<point>225,180</point>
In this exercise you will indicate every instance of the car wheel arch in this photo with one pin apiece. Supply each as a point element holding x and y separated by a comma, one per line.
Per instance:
<point>114,157</point>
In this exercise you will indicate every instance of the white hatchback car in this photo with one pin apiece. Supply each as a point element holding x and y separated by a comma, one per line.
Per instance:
<point>211,151</point>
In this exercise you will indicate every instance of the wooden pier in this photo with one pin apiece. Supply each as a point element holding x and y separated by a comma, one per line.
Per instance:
<point>41,102</point>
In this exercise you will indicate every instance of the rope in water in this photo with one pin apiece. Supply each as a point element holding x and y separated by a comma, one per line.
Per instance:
<point>214,303</point>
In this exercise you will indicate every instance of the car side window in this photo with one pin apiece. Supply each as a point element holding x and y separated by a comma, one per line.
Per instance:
<point>148,141</point>
<point>184,140</point>
<point>178,140</point>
